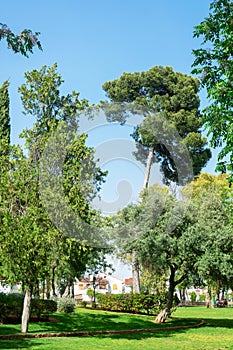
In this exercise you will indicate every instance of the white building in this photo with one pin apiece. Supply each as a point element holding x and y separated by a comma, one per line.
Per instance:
<point>102,283</point>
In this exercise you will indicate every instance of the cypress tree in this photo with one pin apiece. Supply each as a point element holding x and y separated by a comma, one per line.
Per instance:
<point>4,119</point>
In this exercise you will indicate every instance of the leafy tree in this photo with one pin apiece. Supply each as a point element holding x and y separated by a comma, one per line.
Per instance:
<point>22,43</point>
<point>206,184</point>
<point>214,63</point>
<point>181,240</point>
<point>68,173</point>
<point>25,215</point>
<point>4,138</point>
<point>213,196</point>
<point>172,122</point>
<point>172,97</point>
<point>25,239</point>
<point>162,250</point>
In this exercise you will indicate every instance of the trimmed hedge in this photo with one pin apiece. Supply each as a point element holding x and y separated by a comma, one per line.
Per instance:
<point>43,307</point>
<point>149,304</point>
<point>12,305</point>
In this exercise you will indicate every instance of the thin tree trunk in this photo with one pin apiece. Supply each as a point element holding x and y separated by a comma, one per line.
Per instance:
<point>48,286</point>
<point>148,167</point>
<point>135,262</point>
<point>26,310</point>
<point>135,272</point>
<point>72,290</point>
<point>53,281</point>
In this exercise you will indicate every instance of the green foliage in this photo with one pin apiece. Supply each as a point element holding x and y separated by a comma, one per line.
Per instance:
<point>212,199</point>
<point>178,239</point>
<point>12,305</point>
<point>90,292</point>
<point>214,62</point>
<point>22,43</point>
<point>4,120</point>
<point>170,97</point>
<point>66,305</point>
<point>193,296</point>
<point>150,304</point>
<point>32,246</point>
<point>202,297</point>
<point>43,307</point>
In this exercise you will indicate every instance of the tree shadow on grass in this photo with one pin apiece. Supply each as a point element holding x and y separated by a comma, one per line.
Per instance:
<point>89,321</point>
<point>105,321</point>
<point>17,344</point>
<point>220,322</point>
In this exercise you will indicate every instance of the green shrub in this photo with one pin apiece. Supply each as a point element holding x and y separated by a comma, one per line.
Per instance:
<point>12,304</point>
<point>66,305</point>
<point>202,297</point>
<point>193,297</point>
<point>135,303</point>
<point>43,307</point>
<point>83,303</point>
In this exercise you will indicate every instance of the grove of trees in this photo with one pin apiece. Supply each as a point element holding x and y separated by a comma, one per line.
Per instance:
<point>172,239</point>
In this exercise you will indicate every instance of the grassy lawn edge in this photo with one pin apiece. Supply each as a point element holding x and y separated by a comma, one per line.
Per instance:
<point>92,333</point>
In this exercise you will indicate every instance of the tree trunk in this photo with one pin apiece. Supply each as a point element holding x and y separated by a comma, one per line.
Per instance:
<point>53,281</point>
<point>135,272</point>
<point>72,290</point>
<point>135,262</point>
<point>223,294</point>
<point>37,290</point>
<point>182,296</point>
<point>166,312</point>
<point>148,167</point>
<point>48,285</point>
<point>26,310</point>
<point>209,296</point>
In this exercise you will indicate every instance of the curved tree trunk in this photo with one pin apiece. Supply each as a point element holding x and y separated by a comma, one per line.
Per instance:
<point>166,312</point>
<point>26,310</point>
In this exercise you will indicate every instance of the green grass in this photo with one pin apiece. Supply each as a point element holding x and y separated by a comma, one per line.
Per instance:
<point>215,335</point>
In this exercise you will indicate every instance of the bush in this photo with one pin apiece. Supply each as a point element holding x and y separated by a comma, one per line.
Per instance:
<point>202,297</point>
<point>83,303</point>
<point>12,305</point>
<point>43,307</point>
<point>136,303</point>
<point>66,305</point>
<point>193,297</point>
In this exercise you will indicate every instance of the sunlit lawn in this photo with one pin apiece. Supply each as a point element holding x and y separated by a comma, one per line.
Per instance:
<point>215,335</point>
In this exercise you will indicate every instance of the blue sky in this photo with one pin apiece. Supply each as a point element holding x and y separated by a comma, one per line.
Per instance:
<point>96,41</point>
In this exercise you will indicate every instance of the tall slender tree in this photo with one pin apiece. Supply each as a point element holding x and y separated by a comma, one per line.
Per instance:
<point>170,103</point>
<point>4,119</point>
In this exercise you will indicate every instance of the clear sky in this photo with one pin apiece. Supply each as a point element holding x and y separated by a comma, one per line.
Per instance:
<point>96,41</point>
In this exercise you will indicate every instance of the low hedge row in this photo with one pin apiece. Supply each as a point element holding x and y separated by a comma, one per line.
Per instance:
<point>149,304</point>
<point>12,304</point>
